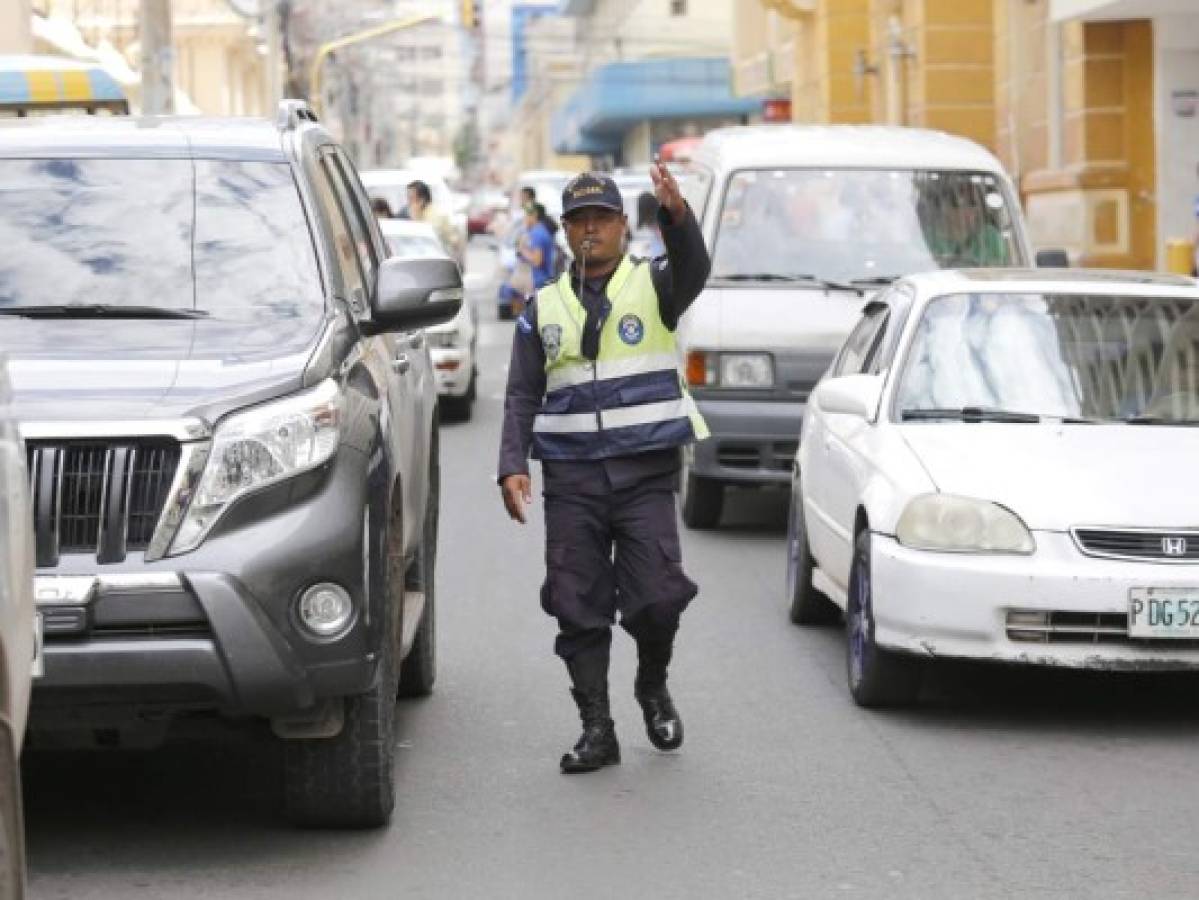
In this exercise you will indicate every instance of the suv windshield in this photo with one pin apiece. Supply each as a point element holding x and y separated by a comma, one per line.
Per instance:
<point>861,224</point>
<point>1056,355</point>
<point>226,238</point>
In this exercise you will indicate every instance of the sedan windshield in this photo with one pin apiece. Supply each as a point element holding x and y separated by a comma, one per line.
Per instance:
<point>1055,356</point>
<point>225,239</point>
<point>858,224</point>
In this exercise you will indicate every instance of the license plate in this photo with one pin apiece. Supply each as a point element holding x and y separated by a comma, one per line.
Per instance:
<point>1163,613</point>
<point>39,659</point>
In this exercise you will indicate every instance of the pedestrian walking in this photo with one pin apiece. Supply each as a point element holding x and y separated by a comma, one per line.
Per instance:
<point>422,209</point>
<point>537,246</point>
<point>595,392</point>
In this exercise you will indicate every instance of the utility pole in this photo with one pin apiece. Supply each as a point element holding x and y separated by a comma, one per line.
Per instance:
<point>157,58</point>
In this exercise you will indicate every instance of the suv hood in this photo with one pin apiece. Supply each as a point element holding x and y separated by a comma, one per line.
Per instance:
<point>1057,477</point>
<point>92,370</point>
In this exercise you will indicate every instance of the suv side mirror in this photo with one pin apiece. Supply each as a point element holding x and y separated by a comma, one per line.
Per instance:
<point>415,293</point>
<point>1053,258</point>
<point>849,395</point>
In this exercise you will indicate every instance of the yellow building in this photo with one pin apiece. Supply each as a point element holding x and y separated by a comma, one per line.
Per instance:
<point>1091,104</point>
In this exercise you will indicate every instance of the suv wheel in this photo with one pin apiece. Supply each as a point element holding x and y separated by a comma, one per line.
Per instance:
<point>420,667</point>
<point>702,500</point>
<point>348,781</point>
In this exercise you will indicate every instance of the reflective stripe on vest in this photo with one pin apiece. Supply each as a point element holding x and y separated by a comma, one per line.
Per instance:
<point>632,398</point>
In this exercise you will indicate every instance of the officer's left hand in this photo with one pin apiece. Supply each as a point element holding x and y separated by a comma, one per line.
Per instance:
<point>666,189</point>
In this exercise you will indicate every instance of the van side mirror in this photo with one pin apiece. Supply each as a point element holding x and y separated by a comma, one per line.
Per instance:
<point>1053,258</point>
<point>850,395</point>
<point>415,293</point>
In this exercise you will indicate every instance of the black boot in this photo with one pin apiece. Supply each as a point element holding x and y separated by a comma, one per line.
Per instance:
<point>597,747</point>
<point>662,723</point>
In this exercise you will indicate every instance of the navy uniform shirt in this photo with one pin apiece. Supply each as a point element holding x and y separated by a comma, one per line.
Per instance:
<point>678,277</point>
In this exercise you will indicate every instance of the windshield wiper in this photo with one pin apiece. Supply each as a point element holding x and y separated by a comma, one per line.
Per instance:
<point>970,414</point>
<point>100,311</point>
<point>827,283</point>
<point>1160,420</point>
<point>875,280</point>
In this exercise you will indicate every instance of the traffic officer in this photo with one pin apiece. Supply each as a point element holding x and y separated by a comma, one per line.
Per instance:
<point>595,393</point>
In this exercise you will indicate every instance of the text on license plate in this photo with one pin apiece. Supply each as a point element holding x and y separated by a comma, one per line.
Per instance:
<point>1163,613</point>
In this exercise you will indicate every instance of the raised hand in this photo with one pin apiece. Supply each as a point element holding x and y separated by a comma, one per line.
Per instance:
<point>666,189</point>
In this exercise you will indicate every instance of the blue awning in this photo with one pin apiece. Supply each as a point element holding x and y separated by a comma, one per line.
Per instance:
<point>619,95</point>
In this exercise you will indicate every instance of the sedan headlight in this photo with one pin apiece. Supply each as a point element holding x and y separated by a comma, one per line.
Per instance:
<point>442,340</point>
<point>754,371</point>
<point>258,447</point>
<point>962,524</point>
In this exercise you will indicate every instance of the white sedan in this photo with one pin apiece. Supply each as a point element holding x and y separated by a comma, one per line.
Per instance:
<point>1000,465</point>
<point>452,345</point>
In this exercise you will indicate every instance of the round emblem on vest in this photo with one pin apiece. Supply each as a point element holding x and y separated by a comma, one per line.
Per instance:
<point>631,329</point>
<point>551,340</point>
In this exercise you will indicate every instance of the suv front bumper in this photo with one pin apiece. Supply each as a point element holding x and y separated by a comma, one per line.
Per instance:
<point>215,628</point>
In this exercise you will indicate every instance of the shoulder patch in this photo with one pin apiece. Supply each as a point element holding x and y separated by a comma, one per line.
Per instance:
<point>662,262</point>
<point>524,325</point>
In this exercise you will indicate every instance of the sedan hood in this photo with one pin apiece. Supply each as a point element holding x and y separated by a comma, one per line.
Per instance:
<point>133,370</point>
<point>1056,477</point>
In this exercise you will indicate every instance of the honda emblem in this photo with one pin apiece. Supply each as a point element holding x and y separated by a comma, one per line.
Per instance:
<point>1174,546</point>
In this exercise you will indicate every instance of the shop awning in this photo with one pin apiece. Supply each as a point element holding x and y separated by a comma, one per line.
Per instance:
<point>619,95</point>
<point>54,81</point>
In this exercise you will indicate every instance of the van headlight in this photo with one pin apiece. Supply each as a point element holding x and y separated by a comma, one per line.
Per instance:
<point>963,525</point>
<point>259,447</point>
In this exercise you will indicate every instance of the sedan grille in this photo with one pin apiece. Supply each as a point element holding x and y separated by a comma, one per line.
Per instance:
<point>98,497</point>
<point>1146,545</point>
<point>1069,627</point>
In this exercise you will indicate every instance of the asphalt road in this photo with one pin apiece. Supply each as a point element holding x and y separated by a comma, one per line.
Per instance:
<point>1003,783</point>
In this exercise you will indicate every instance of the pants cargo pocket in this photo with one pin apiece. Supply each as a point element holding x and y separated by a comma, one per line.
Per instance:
<point>677,590</point>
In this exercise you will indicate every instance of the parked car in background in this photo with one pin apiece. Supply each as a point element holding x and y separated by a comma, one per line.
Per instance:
<point>20,641</point>
<point>485,204</point>
<point>452,344</point>
<point>392,186</point>
<point>803,224</point>
<point>1000,466</point>
<point>233,439</point>
<point>38,85</point>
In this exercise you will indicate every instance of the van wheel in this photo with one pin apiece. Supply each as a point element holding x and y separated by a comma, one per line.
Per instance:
<point>419,669</point>
<point>348,781</point>
<point>702,500</point>
<point>877,677</point>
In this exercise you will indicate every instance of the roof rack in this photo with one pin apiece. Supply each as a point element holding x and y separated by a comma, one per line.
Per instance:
<point>292,112</point>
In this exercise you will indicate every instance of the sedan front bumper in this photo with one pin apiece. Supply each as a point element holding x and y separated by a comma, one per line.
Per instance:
<point>978,606</point>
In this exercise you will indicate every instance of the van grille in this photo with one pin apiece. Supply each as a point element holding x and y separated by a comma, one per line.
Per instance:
<point>98,497</point>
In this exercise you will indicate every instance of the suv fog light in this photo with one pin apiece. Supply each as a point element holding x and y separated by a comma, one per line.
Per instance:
<point>325,609</point>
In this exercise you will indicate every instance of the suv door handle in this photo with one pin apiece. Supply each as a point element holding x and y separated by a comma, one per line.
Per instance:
<point>401,364</point>
<point>417,340</point>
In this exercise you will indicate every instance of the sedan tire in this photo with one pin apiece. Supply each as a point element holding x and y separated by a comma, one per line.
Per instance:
<point>877,677</point>
<point>808,605</point>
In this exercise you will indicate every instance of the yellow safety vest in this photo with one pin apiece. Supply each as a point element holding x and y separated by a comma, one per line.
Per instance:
<point>632,398</point>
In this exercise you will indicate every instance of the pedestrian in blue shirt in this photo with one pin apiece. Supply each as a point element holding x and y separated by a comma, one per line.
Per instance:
<point>537,247</point>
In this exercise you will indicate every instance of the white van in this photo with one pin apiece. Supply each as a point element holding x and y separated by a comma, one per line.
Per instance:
<point>803,224</point>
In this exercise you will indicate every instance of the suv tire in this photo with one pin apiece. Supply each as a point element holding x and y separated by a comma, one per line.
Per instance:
<point>348,781</point>
<point>419,670</point>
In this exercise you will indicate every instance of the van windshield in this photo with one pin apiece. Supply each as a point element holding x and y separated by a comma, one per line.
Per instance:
<point>846,225</point>
<point>225,238</point>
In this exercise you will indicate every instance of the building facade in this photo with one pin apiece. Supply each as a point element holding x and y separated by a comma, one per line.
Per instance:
<point>651,71</point>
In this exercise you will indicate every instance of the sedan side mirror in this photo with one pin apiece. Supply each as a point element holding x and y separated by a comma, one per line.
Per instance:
<point>415,293</point>
<point>850,395</point>
<point>1053,258</point>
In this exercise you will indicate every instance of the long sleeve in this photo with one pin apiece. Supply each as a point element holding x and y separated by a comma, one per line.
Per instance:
<point>522,399</point>
<point>679,277</point>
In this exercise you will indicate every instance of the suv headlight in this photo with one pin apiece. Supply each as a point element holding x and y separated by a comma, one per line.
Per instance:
<point>962,524</point>
<point>259,447</point>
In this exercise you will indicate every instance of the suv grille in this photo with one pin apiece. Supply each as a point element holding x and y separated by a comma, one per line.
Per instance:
<point>98,497</point>
<point>1163,546</point>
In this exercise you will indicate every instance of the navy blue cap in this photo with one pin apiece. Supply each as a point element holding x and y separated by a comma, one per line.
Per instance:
<point>591,189</point>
